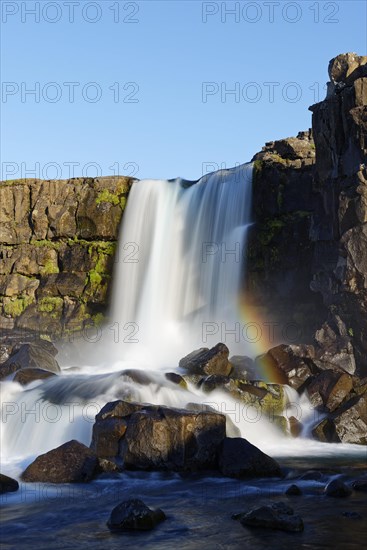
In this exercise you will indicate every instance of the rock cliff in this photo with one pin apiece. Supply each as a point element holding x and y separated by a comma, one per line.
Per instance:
<point>57,249</point>
<point>307,255</point>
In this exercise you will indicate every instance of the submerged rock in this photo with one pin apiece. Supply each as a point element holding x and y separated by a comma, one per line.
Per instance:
<point>207,361</point>
<point>72,462</point>
<point>26,376</point>
<point>360,484</point>
<point>337,488</point>
<point>7,484</point>
<point>273,516</point>
<point>293,490</point>
<point>239,458</point>
<point>134,515</point>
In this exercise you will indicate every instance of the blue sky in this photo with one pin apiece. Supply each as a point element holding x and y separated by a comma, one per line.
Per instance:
<point>151,81</point>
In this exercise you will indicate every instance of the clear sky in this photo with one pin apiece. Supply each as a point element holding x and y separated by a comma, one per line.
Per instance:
<point>143,87</point>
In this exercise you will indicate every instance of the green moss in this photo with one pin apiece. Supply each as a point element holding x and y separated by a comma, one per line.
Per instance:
<point>55,245</point>
<point>350,332</point>
<point>16,306</point>
<point>49,267</point>
<point>256,170</point>
<point>94,278</point>
<point>98,319</point>
<point>106,196</point>
<point>50,304</point>
<point>278,159</point>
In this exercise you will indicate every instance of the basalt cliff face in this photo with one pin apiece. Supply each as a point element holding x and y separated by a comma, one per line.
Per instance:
<point>307,255</point>
<point>57,250</point>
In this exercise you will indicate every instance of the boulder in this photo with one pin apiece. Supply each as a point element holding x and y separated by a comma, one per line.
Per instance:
<point>344,65</point>
<point>72,462</point>
<point>289,364</point>
<point>207,361</point>
<point>7,484</point>
<point>152,437</point>
<point>335,347</point>
<point>311,475</point>
<point>348,424</point>
<point>176,379</point>
<point>293,490</point>
<point>134,515</point>
<point>26,376</point>
<point>29,355</point>
<point>161,438</point>
<point>239,458</point>
<point>231,429</point>
<point>273,516</point>
<point>329,389</point>
<point>106,437</point>
<point>337,488</point>
<point>351,423</point>
<point>360,484</point>
<point>243,367</point>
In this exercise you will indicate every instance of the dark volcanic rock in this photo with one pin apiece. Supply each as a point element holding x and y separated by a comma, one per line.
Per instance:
<point>239,458</point>
<point>360,484</point>
<point>207,361</point>
<point>243,367</point>
<point>7,484</point>
<point>273,516</point>
<point>293,490</point>
<point>26,376</point>
<point>72,462</point>
<point>329,389</point>
<point>32,356</point>
<point>172,439</point>
<point>337,488</point>
<point>57,242</point>
<point>348,424</point>
<point>152,437</point>
<point>106,436</point>
<point>134,515</point>
<point>290,364</point>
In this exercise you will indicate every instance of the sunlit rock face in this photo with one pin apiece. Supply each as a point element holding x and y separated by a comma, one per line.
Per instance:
<point>58,241</point>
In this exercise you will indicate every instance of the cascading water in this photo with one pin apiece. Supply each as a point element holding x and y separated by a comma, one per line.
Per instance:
<point>176,284</point>
<point>180,263</point>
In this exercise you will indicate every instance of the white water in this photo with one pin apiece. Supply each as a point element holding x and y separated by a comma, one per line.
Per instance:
<point>179,265</point>
<point>177,280</point>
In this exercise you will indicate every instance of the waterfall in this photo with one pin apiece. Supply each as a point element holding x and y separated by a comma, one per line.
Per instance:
<point>179,264</point>
<point>177,282</point>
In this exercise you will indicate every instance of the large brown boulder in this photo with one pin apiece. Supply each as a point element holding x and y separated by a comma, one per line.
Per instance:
<point>72,462</point>
<point>239,458</point>
<point>207,361</point>
<point>152,437</point>
<point>29,356</point>
<point>161,438</point>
